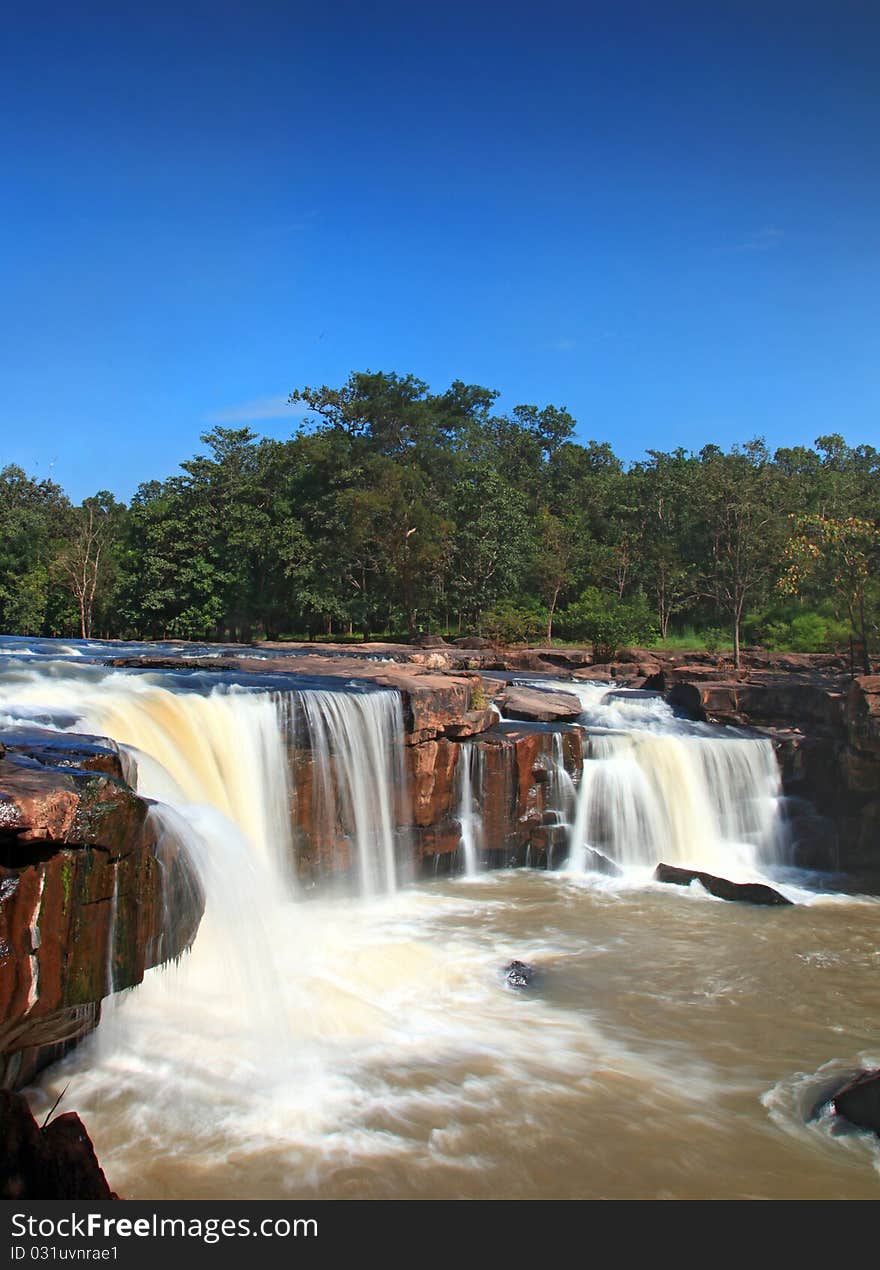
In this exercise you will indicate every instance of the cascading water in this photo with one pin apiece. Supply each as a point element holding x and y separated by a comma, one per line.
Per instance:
<point>336,1048</point>
<point>233,1017</point>
<point>562,791</point>
<point>708,804</point>
<point>218,765</point>
<point>470,784</point>
<point>655,787</point>
<point>356,739</point>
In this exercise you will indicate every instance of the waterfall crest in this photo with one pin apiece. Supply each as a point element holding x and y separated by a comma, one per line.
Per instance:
<point>226,751</point>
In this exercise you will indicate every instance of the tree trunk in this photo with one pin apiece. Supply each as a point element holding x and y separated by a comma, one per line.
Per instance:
<point>863,634</point>
<point>550,618</point>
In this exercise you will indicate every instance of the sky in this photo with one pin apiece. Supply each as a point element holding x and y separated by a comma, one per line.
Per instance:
<point>663,215</point>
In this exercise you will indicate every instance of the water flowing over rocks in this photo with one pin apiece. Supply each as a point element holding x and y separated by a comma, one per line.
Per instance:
<point>85,892</point>
<point>321,769</point>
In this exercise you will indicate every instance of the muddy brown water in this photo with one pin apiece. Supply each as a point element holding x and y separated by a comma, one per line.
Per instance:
<point>671,1046</point>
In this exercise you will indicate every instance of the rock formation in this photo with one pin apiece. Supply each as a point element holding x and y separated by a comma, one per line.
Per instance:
<point>85,894</point>
<point>56,1161</point>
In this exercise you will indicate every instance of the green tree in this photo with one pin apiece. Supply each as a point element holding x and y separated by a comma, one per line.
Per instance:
<point>742,504</point>
<point>85,562</point>
<point>33,519</point>
<point>609,622</point>
<point>842,555</point>
<point>665,491</point>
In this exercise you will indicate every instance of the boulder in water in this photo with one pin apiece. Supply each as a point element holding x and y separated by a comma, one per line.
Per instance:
<point>859,1101</point>
<point>723,888</point>
<point>537,705</point>
<point>519,974</point>
<point>598,862</point>
<point>55,1162</point>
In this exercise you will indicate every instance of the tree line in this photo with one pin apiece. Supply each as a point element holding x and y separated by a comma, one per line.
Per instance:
<point>397,510</point>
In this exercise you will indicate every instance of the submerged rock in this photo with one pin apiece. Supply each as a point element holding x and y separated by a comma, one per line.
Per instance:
<point>519,974</point>
<point>598,862</point>
<point>55,1162</point>
<point>859,1101</point>
<point>723,888</point>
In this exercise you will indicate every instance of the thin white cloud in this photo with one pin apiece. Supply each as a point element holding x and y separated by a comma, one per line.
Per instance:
<point>566,345</point>
<point>258,408</point>
<point>761,240</point>
<point>306,220</point>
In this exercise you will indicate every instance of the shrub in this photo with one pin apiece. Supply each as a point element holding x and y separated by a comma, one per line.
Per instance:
<point>714,639</point>
<point>608,622</point>
<point>808,633</point>
<point>791,628</point>
<point>515,622</point>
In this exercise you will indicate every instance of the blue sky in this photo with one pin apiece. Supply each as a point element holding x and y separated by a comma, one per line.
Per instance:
<point>662,215</point>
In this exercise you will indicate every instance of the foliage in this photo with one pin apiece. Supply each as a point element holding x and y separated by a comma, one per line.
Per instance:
<point>515,622</point>
<point>843,555</point>
<point>608,622</point>
<point>394,508</point>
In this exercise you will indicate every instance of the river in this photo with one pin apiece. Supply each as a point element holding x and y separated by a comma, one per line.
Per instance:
<point>671,1045</point>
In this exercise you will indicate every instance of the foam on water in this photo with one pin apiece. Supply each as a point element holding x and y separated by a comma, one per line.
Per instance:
<point>371,1045</point>
<point>654,787</point>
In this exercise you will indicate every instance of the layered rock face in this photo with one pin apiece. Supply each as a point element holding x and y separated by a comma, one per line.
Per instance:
<point>88,901</point>
<point>444,718</point>
<point>516,764</point>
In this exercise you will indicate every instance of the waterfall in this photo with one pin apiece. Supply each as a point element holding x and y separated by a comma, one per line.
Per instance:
<point>655,787</point>
<point>111,940</point>
<point>470,785</point>
<point>358,755</point>
<point>225,753</point>
<point>562,792</point>
<point>218,766</point>
<point>707,802</point>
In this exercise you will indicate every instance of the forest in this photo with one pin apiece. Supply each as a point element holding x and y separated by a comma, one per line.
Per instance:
<point>393,510</point>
